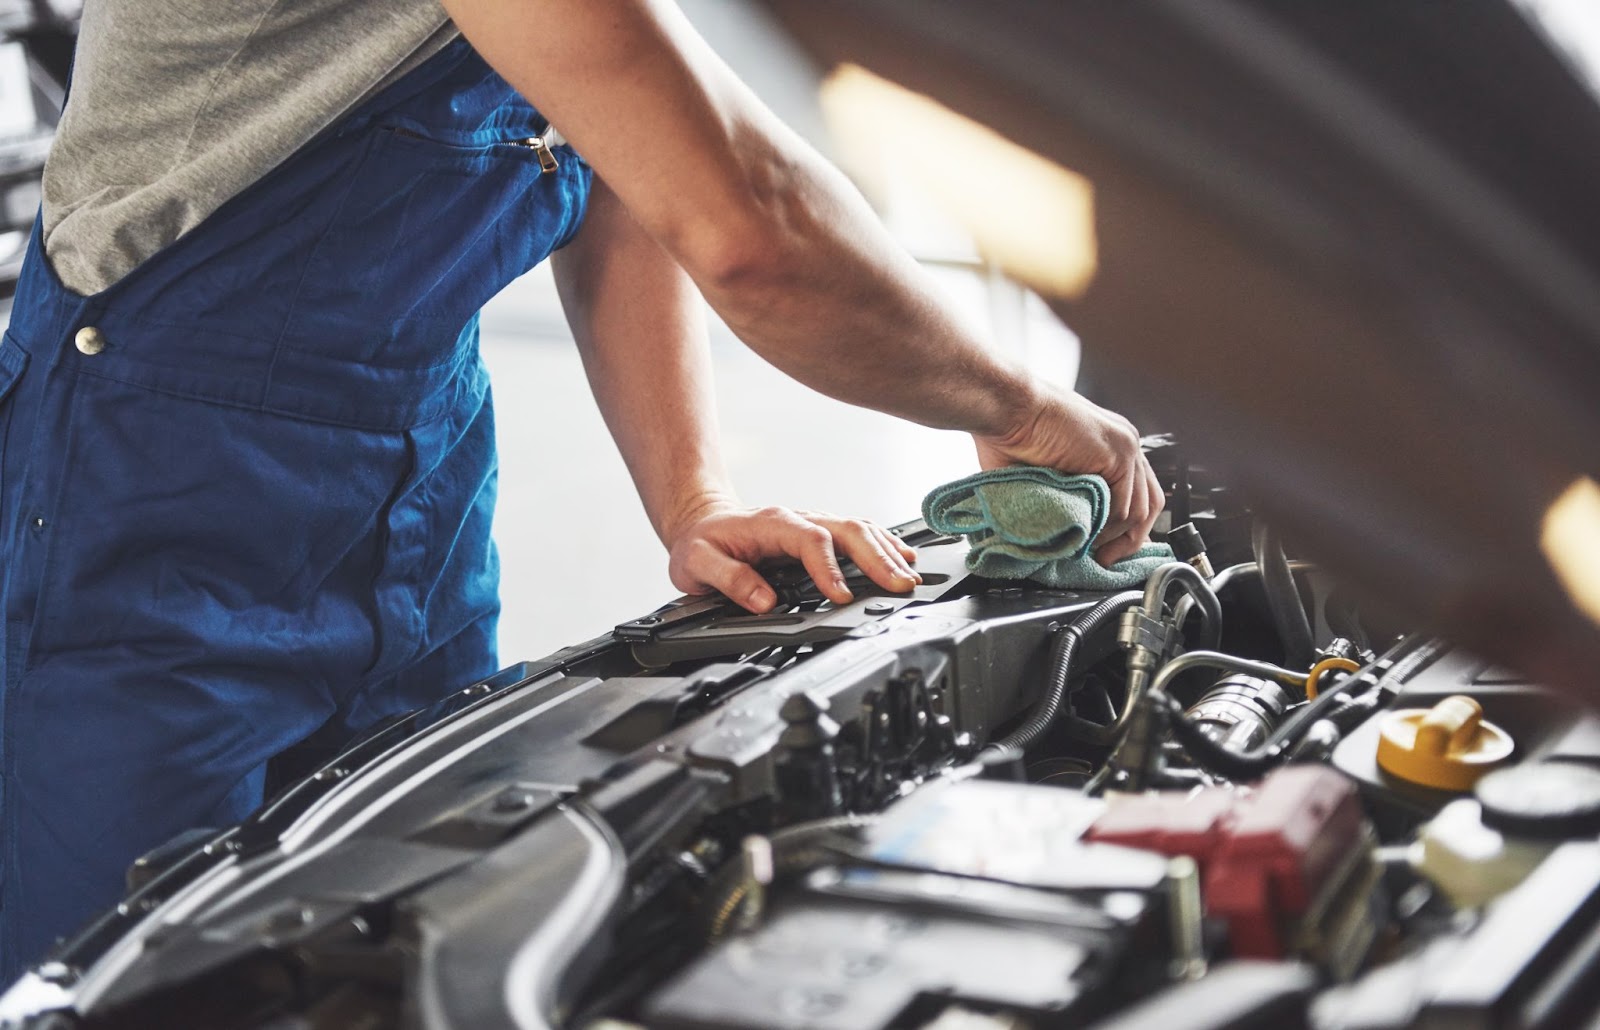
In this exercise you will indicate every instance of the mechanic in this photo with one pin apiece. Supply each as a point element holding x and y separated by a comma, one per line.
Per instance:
<point>245,439</point>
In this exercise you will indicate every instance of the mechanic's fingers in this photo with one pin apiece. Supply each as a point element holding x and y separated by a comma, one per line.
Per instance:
<point>906,551</point>
<point>1139,517</point>
<point>813,545</point>
<point>1158,496</point>
<point>1152,499</point>
<point>1116,549</point>
<point>1122,498</point>
<point>717,570</point>
<point>870,547</point>
<point>891,550</point>
<point>1147,503</point>
<point>832,522</point>
<point>1119,516</point>
<point>896,547</point>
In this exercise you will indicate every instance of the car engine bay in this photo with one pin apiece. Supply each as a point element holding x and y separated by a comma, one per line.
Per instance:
<point>1232,798</point>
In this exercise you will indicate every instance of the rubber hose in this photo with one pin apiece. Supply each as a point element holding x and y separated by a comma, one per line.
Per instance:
<point>1063,648</point>
<point>1199,593</point>
<point>1283,597</point>
<point>1257,762</point>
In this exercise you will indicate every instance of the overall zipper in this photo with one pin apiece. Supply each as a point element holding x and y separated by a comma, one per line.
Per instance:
<point>542,150</point>
<point>541,146</point>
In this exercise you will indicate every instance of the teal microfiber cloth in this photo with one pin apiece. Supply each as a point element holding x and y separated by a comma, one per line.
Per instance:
<point>1025,522</point>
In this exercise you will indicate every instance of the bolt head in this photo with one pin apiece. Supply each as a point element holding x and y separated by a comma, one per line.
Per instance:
<point>514,801</point>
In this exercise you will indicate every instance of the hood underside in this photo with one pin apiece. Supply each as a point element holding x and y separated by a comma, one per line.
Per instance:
<point>1352,250</point>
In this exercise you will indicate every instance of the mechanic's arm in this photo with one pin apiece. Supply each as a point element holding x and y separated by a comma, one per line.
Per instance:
<point>642,335</point>
<point>780,243</point>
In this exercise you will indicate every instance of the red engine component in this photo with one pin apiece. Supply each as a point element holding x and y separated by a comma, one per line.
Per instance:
<point>1269,857</point>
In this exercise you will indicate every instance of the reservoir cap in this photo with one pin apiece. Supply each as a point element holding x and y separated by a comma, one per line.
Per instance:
<point>1449,746</point>
<point>1542,799</point>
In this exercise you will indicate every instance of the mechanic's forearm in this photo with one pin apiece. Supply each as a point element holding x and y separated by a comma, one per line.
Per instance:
<point>641,332</point>
<point>838,305</point>
<point>778,241</point>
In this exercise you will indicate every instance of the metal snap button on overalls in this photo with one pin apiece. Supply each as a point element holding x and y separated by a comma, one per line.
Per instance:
<point>89,340</point>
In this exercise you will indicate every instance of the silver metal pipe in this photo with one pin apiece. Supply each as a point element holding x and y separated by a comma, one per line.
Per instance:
<point>1142,660</point>
<point>1196,591</point>
<point>1243,570</point>
<point>1217,660</point>
<point>1246,569</point>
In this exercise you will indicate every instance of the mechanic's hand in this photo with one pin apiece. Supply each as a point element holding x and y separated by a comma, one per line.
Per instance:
<point>1070,433</point>
<point>718,551</point>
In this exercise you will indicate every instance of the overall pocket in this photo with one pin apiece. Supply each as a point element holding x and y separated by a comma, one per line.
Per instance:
<point>229,541</point>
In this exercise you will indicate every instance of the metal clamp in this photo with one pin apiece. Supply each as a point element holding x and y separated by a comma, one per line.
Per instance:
<point>1159,638</point>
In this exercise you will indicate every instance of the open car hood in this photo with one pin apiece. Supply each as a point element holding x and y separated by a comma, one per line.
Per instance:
<point>1345,248</point>
<point>1352,250</point>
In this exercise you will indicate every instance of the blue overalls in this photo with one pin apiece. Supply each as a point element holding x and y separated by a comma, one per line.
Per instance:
<point>245,493</point>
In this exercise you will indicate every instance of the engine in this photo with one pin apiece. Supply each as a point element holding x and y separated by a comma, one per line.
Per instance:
<point>1230,798</point>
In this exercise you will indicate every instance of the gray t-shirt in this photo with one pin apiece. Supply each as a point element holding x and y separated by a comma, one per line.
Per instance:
<point>178,105</point>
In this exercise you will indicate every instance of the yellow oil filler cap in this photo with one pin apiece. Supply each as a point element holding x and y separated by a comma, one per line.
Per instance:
<point>1449,746</point>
